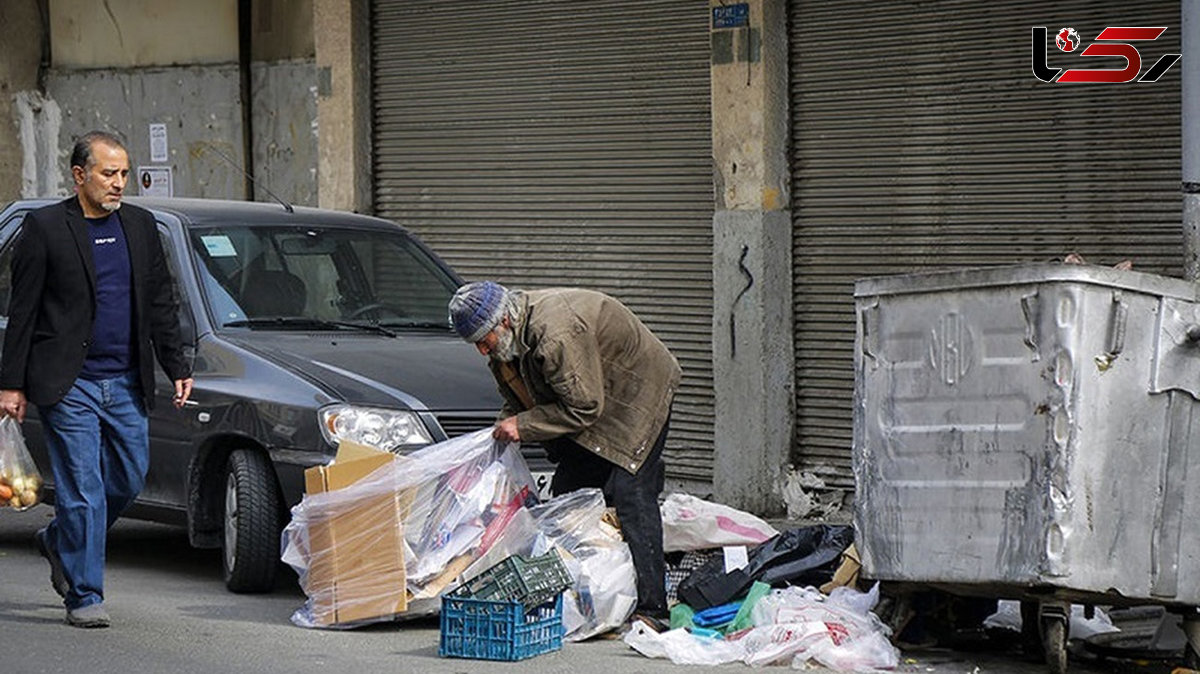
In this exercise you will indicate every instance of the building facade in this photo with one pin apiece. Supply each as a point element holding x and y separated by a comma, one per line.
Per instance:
<point>727,169</point>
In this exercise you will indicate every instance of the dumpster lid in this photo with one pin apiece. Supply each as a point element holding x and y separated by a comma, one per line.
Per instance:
<point>1025,274</point>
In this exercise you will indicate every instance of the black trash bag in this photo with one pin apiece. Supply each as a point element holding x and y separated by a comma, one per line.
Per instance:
<point>802,556</point>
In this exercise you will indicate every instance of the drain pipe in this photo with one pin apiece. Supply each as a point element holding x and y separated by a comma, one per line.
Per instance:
<point>1189,113</point>
<point>245,57</point>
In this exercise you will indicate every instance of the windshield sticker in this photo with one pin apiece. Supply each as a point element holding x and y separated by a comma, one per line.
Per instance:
<point>219,245</point>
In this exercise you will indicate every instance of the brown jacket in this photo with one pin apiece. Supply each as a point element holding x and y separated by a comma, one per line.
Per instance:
<point>595,372</point>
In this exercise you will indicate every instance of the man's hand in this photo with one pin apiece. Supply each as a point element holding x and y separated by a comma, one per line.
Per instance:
<point>12,403</point>
<point>506,430</point>
<point>183,391</point>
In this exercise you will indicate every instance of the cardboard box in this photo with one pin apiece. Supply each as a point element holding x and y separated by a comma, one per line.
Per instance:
<point>357,568</point>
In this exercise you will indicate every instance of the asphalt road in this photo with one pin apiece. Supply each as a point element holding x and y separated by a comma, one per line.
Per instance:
<point>171,613</point>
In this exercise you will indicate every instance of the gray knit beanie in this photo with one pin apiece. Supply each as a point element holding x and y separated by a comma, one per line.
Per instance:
<point>477,308</point>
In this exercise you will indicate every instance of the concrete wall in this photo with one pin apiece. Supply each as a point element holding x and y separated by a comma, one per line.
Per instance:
<point>753,373</point>
<point>285,130</point>
<point>342,35</point>
<point>20,31</point>
<point>132,33</point>
<point>112,69</point>
<point>200,106</point>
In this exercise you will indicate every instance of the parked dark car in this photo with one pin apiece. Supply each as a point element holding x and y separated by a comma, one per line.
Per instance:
<point>306,326</point>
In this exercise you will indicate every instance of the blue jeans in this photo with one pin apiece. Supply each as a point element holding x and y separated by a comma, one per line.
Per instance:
<point>99,451</point>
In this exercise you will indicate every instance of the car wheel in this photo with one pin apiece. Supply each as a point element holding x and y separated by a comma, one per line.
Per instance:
<point>252,523</point>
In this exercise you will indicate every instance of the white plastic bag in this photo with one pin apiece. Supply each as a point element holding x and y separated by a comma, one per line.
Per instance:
<point>682,647</point>
<point>796,625</point>
<point>1008,616</point>
<point>691,523</point>
<point>802,624</point>
<point>861,603</point>
<point>778,644</point>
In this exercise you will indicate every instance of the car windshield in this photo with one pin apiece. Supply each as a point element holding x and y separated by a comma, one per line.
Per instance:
<point>305,277</point>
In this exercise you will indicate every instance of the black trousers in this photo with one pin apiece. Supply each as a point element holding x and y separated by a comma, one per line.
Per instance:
<point>635,498</point>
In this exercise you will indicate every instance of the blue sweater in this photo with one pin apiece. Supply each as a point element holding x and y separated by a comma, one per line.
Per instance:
<point>110,353</point>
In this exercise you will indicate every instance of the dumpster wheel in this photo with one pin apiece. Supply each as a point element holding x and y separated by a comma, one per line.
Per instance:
<point>1031,632</point>
<point>1053,623</point>
<point>1191,630</point>
<point>1191,660</point>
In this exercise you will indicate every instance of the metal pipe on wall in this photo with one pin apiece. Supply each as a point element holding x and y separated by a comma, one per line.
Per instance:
<point>244,59</point>
<point>45,64</point>
<point>1190,146</point>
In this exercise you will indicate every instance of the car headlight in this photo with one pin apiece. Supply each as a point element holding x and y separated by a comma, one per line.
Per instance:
<point>391,430</point>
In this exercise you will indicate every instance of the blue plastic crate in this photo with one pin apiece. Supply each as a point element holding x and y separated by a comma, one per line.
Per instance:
<point>499,630</point>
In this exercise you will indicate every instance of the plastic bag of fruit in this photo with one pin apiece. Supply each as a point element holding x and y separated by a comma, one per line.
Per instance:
<point>20,481</point>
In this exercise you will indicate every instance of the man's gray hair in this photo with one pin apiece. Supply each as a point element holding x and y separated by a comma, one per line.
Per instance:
<point>512,308</point>
<point>81,154</point>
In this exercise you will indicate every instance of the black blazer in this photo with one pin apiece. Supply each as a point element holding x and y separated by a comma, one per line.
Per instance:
<point>53,303</point>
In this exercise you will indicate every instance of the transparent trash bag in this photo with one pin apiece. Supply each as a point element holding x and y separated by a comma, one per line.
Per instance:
<point>390,543</point>
<point>20,481</point>
<point>604,590</point>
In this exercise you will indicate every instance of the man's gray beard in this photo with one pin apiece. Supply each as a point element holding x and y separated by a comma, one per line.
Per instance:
<point>506,346</point>
<point>110,206</point>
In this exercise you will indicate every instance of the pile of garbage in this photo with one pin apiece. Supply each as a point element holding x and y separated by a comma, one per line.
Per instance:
<point>722,565</point>
<point>792,625</point>
<point>379,537</point>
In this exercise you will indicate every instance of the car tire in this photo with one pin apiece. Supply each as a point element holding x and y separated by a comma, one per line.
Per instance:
<point>250,514</point>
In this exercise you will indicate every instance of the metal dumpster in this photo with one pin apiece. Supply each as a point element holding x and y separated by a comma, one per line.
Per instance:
<point>1027,432</point>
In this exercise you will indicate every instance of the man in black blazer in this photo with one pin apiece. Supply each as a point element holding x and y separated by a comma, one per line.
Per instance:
<point>92,304</point>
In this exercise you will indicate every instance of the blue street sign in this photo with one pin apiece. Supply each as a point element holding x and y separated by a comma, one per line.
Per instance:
<point>731,16</point>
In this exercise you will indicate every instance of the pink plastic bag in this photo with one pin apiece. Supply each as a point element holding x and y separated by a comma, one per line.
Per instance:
<point>691,523</point>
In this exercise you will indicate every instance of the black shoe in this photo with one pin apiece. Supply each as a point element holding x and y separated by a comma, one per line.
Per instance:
<point>58,578</point>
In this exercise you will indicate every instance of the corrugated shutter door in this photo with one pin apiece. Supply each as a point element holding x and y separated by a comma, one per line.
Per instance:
<point>922,140</point>
<point>544,143</point>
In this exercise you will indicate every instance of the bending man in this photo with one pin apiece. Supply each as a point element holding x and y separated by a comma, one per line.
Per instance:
<point>582,375</point>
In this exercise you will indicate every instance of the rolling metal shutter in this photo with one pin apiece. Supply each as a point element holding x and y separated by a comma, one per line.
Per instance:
<point>922,141</point>
<point>543,143</point>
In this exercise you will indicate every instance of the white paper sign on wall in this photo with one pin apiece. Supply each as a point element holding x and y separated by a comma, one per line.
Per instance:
<point>158,142</point>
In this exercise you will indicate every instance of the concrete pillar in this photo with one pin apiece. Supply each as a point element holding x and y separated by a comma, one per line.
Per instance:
<point>1190,129</point>
<point>21,33</point>
<point>342,40</point>
<point>752,258</point>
